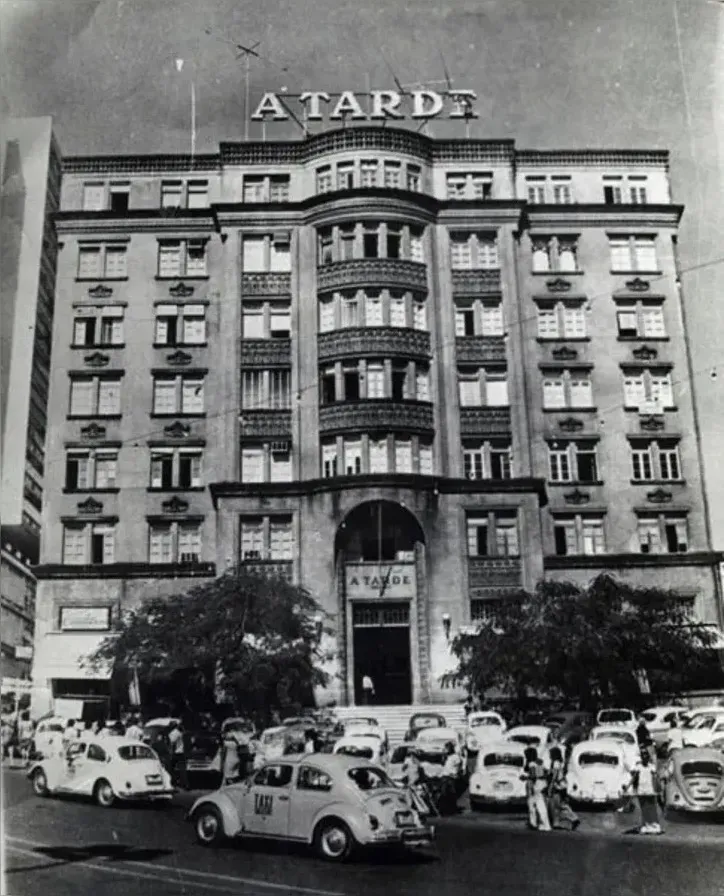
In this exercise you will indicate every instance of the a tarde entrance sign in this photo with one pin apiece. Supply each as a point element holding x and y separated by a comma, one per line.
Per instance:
<point>370,581</point>
<point>380,105</point>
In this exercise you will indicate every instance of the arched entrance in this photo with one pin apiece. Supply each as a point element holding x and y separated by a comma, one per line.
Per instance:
<point>378,547</point>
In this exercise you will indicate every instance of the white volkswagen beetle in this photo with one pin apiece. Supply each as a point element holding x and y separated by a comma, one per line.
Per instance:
<point>108,769</point>
<point>483,727</point>
<point>624,737</point>
<point>363,746</point>
<point>597,772</point>
<point>617,716</point>
<point>498,776</point>
<point>538,736</point>
<point>334,802</point>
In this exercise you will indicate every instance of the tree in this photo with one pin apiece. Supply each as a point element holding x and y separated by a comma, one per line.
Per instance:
<point>252,637</point>
<point>583,644</point>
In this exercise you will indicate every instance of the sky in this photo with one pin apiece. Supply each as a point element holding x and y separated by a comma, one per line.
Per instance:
<point>548,73</point>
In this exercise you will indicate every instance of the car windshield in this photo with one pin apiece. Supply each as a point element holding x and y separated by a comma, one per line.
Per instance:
<point>370,722</point>
<point>361,752</point>
<point>591,758</point>
<point>623,737</point>
<point>369,778</point>
<point>427,722</point>
<point>530,740</point>
<point>131,752</point>
<point>510,759</point>
<point>485,720</point>
<point>399,754</point>
<point>650,715</point>
<point>615,715</point>
<point>703,767</point>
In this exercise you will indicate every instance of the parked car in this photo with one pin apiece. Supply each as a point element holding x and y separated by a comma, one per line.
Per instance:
<point>108,769</point>
<point>538,736</point>
<point>47,737</point>
<point>498,775</point>
<point>336,803</point>
<point>709,727</point>
<point>364,725</point>
<point>566,719</point>
<point>624,737</point>
<point>432,752</point>
<point>397,760</point>
<point>422,720</point>
<point>203,751</point>
<point>363,746</point>
<point>483,727</point>
<point>617,716</point>
<point>694,780</point>
<point>597,772</point>
<point>659,718</point>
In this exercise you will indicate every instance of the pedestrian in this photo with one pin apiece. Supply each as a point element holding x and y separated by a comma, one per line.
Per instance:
<point>309,744</point>
<point>230,759</point>
<point>134,730</point>
<point>70,733</point>
<point>645,741</point>
<point>646,786</point>
<point>26,729</point>
<point>468,705</point>
<point>451,776</point>
<point>562,816</point>
<point>368,690</point>
<point>535,791</point>
<point>178,755</point>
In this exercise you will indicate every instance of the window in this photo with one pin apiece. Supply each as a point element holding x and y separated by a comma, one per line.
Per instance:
<point>267,253</point>
<point>487,460</point>
<point>102,261</point>
<point>493,534</point>
<point>554,392</point>
<point>562,190</point>
<point>174,542</point>
<point>269,462</point>
<point>176,468</point>
<point>542,255</point>
<point>641,321</point>
<point>310,778</point>
<point>352,449</point>
<point>95,396</point>
<point>324,179</point>
<point>654,460</point>
<point>94,197</point>
<point>88,543</point>
<point>368,172</point>
<point>266,188</point>
<point>663,533</point>
<point>633,253</point>
<point>473,251</point>
<point>181,258</point>
<point>98,325</point>
<point>266,538</point>
<point>581,391</point>
<point>403,455</point>
<point>567,389</point>
<point>617,189</point>
<point>478,318</point>
<point>345,175</point>
<point>373,311</point>
<point>416,246</point>
<point>329,460</point>
<point>252,464</point>
<point>478,387</point>
<point>378,455</point>
<point>414,178</point>
<point>391,172</point>
<point>171,194</point>
<point>369,240</point>
<point>398,312</point>
<point>180,324</point>
<point>91,469</point>
<point>554,253</point>
<point>572,462</point>
<point>326,314</point>
<point>637,190</point>
<point>197,194</point>
<point>182,394</point>
<point>612,190</point>
<point>375,380</point>
<point>535,189</point>
<point>270,389</point>
<point>562,321</point>
<point>469,185</point>
<point>426,459</point>
<point>579,534</point>
<point>419,314</point>
<point>266,320</point>
<point>648,391</point>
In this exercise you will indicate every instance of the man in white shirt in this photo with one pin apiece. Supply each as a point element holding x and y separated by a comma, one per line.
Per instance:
<point>368,690</point>
<point>134,731</point>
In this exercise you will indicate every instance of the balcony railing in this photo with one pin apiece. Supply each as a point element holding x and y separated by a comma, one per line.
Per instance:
<point>370,272</point>
<point>390,342</point>
<point>485,421</point>
<point>271,423</point>
<point>273,569</point>
<point>376,414</point>
<point>480,349</point>
<point>266,284</point>
<point>489,573</point>
<point>266,353</point>
<point>478,281</point>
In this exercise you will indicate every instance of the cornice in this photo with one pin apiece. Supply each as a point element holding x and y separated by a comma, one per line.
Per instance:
<point>370,203</point>
<point>599,215</point>
<point>140,221</point>
<point>629,561</point>
<point>637,158</point>
<point>126,571</point>
<point>141,164</point>
<point>459,213</point>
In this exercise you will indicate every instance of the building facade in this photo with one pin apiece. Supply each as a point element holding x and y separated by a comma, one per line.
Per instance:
<point>30,176</point>
<point>412,375</point>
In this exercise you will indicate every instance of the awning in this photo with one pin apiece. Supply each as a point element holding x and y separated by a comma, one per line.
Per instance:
<point>63,655</point>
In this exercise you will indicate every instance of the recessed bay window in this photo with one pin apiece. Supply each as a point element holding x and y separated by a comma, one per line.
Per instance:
<point>266,389</point>
<point>268,319</point>
<point>370,308</point>
<point>369,239</point>
<point>266,253</point>
<point>481,386</point>
<point>356,455</point>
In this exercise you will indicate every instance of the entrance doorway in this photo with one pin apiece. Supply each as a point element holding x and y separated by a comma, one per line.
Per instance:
<point>381,649</point>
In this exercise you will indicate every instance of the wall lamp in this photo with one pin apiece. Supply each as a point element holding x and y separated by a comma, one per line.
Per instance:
<point>446,625</point>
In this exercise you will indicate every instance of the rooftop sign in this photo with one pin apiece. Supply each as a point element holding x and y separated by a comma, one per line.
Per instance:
<point>381,105</point>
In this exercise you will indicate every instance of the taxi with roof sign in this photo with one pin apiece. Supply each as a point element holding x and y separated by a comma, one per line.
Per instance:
<point>335,803</point>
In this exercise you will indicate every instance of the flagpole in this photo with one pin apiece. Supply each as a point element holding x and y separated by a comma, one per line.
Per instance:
<point>193,122</point>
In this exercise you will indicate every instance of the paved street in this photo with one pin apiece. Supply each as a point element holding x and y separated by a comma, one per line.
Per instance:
<point>66,846</point>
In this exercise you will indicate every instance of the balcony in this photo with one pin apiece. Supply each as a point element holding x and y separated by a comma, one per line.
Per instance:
<point>377,414</point>
<point>389,342</point>
<point>371,272</point>
<point>491,573</point>
<point>485,421</point>
<point>480,349</point>
<point>477,282</point>
<point>265,423</point>
<point>266,353</point>
<point>266,284</point>
<point>271,569</point>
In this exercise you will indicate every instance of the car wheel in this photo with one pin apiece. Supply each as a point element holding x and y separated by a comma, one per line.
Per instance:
<point>103,794</point>
<point>208,826</point>
<point>333,840</point>
<point>40,783</point>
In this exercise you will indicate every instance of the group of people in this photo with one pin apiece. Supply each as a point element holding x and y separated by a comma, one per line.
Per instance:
<point>447,786</point>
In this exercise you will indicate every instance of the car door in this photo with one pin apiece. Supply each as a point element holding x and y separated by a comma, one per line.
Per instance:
<point>75,767</point>
<point>266,805</point>
<point>312,791</point>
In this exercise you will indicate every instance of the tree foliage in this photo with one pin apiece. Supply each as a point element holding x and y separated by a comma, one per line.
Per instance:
<point>584,645</point>
<point>251,637</point>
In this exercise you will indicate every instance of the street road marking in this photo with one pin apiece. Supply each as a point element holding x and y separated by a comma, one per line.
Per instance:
<point>176,872</point>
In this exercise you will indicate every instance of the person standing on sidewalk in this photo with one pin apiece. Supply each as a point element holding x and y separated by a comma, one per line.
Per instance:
<point>646,786</point>
<point>178,756</point>
<point>562,816</point>
<point>535,791</point>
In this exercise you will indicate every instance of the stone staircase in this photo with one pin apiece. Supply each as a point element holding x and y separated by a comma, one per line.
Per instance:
<point>394,719</point>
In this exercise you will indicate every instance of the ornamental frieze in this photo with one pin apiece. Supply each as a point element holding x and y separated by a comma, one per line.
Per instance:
<point>369,272</point>
<point>265,353</point>
<point>638,285</point>
<point>652,422</point>
<point>265,423</point>
<point>485,421</point>
<point>481,281</point>
<point>175,505</point>
<point>271,284</point>
<point>179,358</point>
<point>181,291</point>
<point>97,359</point>
<point>487,572</point>
<point>373,414</point>
<point>386,341</point>
<point>93,432</point>
<point>177,430</point>
<point>645,353</point>
<point>90,505</point>
<point>659,496</point>
<point>480,349</point>
<point>100,292</point>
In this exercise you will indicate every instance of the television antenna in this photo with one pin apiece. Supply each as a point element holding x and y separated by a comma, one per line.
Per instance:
<point>461,100</point>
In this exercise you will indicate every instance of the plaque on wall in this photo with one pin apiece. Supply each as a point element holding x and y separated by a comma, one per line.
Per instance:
<point>85,619</point>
